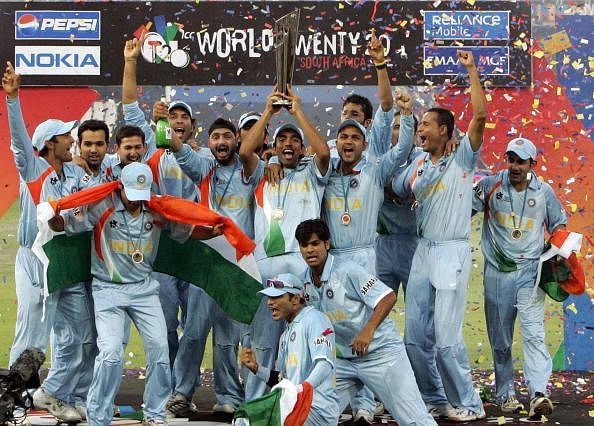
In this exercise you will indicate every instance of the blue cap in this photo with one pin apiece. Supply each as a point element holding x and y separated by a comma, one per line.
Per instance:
<point>137,179</point>
<point>354,123</point>
<point>50,128</point>
<point>523,148</point>
<point>281,284</point>
<point>288,126</point>
<point>180,104</point>
<point>248,117</point>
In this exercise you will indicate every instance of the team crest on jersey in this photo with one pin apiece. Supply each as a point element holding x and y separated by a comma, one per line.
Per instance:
<point>531,202</point>
<point>354,183</point>
<point>292,336</point>
<point>329,293</point>
<point>148,226</point>
<point>442,168</point>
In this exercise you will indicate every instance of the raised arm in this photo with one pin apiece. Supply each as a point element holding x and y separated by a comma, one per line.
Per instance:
<point>129,86</point>
<point>376,52</point>
<point>313,137</point>
<point>477,97</point>
<point>250,142</point>
<point>20,142</point>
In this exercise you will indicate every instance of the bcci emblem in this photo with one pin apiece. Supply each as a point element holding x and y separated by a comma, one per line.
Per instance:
<point>354,183</point>
<point>292,336</point>
<point>329,293</point>
<point>531,202</point>
<point>148,226</point>
<point>141,179</point>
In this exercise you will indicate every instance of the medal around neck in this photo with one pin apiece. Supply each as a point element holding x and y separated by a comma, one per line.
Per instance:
<point>516,234</point>
<point>345,219</point>
<point>137,256</point>
<point>278,213</point>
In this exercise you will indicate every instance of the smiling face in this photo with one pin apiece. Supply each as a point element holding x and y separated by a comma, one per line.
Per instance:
<point>518,168</point>
<point>130,149</point>
<point>288,148</point>
<point>350,144</point>
<point>181,123</point>
<point>432,135</point>
<point>222,144</point>
<point>93,147</point>
<point>284,307</point>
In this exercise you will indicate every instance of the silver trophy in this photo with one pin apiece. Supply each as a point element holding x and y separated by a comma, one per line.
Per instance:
<point>286,32</point>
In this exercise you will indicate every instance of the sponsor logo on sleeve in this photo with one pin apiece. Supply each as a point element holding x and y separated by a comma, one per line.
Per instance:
<point>367,286</point>
<point>322,340</point>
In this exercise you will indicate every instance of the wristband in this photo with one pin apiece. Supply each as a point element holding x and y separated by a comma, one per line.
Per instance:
<point>381,66</point>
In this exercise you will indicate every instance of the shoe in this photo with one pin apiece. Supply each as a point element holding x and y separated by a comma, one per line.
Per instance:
<point>82,411</point>
<point>363,416</point>
<point>56,407</point>
<point>116,411</point>
<point>180,406</point>
<point>440,411</point>
<point>19,418</point>
<point>379,408</point>
<point>223,408</point>
<point>154,422</point>
<point>511,405</point>
<point>540,406</point>
<point>466,415</point>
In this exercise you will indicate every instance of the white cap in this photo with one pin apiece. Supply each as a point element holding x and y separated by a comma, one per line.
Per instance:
<point>283,283</point>
<point>137,179</point>
<point>50,128</point>
<point>288,126</point>
<point>182,105</point>
<point>523,148</point>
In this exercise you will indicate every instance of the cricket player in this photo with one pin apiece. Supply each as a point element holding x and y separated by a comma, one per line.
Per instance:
<point>306,350</point>
<point>518,207</point>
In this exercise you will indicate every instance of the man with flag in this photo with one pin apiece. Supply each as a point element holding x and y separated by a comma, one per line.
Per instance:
<point>306,351</point>
<point>228,189</point>
<point>280,208</point>
<point>126,232</point>
<point>517,208</point>
<point>46,175</point>
<point>369,350</point>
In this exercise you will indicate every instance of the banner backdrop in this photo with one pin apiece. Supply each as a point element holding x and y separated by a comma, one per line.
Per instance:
<point>231,43</point>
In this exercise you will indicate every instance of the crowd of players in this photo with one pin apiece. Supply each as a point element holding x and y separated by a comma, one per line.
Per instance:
<point>338,226</point>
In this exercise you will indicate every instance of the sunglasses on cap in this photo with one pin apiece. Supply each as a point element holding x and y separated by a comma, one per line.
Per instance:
<point>277,284</point>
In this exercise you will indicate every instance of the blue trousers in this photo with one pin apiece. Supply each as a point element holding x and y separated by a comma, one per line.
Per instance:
<point>393,254</point>
<point>507,296</point>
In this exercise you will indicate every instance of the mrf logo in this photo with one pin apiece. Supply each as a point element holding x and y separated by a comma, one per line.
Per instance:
<point>57,25</point>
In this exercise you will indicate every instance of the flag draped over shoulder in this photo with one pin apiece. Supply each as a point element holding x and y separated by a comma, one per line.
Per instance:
<point>223,266</point>
<point>283,406</point>
<point>559,271</point>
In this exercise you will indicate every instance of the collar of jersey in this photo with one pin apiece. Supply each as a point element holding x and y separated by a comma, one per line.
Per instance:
<point>356,170</point>
<point>325,273</point>
<point>301,313</point>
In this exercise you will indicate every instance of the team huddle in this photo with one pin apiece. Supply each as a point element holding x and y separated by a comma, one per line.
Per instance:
<point>338,226</point>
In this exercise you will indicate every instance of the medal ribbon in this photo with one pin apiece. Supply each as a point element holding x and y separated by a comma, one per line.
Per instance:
<point>511,202</point>
<point>278,200</point>
<point>214,186</point>
<point>136,248</point>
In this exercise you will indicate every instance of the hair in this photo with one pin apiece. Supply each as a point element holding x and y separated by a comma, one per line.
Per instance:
<point>92,125</point>
<point>309,227</point>
<point>415,121</point>
<point>221,123</point>
<point>126,132</point>
<point>363,101</point>
<point>445,118</point>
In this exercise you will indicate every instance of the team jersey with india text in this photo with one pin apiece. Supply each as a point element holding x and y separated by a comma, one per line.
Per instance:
<point>168,177</point>
<point>306,339</point>
<point>117,235</point>
<point>348,295</point>
<point>298,196</point>
<point>38,180</point>
<point>378,136</point>
<point>364,192</point>
<point>443,192</point>
<point>534,208</point>
<point>224,189</point>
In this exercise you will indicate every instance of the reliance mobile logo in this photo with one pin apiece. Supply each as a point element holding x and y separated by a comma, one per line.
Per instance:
<point>57,60</point>
<point>57,25</point>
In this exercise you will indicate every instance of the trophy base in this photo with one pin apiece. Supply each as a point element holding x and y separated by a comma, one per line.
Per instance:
<point>283,103</point>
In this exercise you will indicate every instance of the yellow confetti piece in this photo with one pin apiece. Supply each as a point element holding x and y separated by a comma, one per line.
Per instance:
<point>580,116</point>
<point>518,43</point>
<point>566,59</point>
<point>565,159</point>
<point>501,420</point>
<point>522,35</point>
<point>538,54</point>
<point>488,97</point>
<point>577,64</point>
<point>403,23</point>
<point>141,376</point>
<point>573,208</point>
<point>243,94</point>
<point>492,376</point>
<point>572,307</point>
<point>557,145</point>
<point>471,2</point>
<point>340,6</point>
<point>558,91</point>
<point>591,413</point>
<point>489,125</point>
<point>200,129</point>
<point>201,90</point>
<point>543,419</point>
<point>427,64</point>
<point>535,103</point>
<point>558,385</point>
<point>556,43</point>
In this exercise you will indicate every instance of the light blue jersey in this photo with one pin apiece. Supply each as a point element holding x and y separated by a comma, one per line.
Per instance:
<point>307,339</point>
<point>38,179</point>
<point>224,189</point>
<point>282,207</point>
<point>364,194</point>
<point>534,207</point>
<point>443,192</point>
<point>378,136</point>
<point>348,295</point>
<point>117,235</point>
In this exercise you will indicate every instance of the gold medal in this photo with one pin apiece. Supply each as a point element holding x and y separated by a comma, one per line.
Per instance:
<point>345,218</point>
<point>516,234</point>
<point>137,256</point>
<point>278,213</point>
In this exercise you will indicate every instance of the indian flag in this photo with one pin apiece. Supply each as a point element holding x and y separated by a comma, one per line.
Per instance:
<point>285,405</point>
<point>223,266</point>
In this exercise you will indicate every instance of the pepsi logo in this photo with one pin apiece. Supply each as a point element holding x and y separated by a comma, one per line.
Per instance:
<point>27,24</point>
